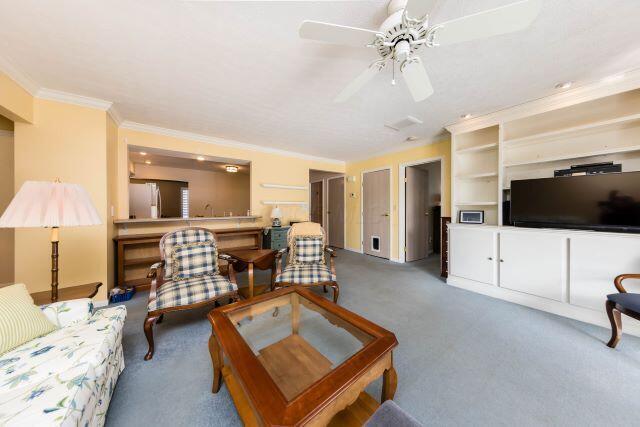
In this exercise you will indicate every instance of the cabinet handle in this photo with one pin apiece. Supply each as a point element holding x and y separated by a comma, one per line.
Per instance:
<point>490,258</point>
<point>501,260</point>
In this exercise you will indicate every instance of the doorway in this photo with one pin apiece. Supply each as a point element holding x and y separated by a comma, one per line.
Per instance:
<point>327,204</point>
<point>376,213</point>
<point>335,211</point>
<point>421,186</point>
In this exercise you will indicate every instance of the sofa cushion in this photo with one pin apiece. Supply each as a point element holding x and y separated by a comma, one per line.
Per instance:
<point>65,313</point>
<point>65,377</point>
<point>305,274</point>
<point>195,259</point>
<point>190,291</point>
<point>20,319</point>
<point>308,250</point>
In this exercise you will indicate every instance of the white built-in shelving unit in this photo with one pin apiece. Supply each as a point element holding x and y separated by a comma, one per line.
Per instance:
<point>586,125</point>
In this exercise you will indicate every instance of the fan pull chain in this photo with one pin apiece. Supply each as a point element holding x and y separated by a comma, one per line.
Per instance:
<point>393,72</point>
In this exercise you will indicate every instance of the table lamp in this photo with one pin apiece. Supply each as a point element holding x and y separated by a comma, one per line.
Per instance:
<point>276,214</point>
<point>51,205</point>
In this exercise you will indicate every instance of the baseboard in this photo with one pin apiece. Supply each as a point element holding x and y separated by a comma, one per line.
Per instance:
<point>346,248</point>
<point>594,317</point>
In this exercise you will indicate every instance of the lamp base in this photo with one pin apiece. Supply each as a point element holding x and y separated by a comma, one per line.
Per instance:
<point>54,264</point>
<point>276,222</point>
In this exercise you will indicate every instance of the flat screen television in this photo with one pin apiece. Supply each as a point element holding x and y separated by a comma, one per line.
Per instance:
<point>607,202</point>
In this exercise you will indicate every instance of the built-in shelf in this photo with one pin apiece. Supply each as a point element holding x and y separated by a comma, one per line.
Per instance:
<point>191,219</point>
<point>286,187</point>
<point>618,150</point>
<point>478,175</point>
<point>477,204</point>
<point>595,126</point>
<point>478,148</point>
<point>280,202</point>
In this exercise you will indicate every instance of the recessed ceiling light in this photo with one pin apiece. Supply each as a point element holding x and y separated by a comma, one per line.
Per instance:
<point>564,85</point>
<point>231,168</point>
<point>148,162</point>
<point>143,153</point>
<point>200,158</point>
<point>465,116</point>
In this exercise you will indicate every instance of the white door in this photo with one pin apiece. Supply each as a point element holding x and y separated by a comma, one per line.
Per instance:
<point>533,263</point>
<point>472,254</point>
<point>417,213</point>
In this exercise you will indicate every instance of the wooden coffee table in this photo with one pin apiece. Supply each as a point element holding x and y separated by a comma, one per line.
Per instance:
<point>262,259</point>
<point>310,368</point>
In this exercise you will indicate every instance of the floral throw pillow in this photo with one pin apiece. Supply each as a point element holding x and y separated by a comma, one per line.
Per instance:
<point>194,260</point>
<point>308,250</point>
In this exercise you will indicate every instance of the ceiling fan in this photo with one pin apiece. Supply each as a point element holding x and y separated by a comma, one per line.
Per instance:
<point>407,28</point>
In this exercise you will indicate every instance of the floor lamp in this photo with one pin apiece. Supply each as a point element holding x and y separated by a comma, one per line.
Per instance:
<point>51,205</point>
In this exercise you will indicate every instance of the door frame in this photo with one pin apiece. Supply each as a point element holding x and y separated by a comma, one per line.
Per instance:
<point>402,227</point>
<point>344,209</point>
<point>390,169</point>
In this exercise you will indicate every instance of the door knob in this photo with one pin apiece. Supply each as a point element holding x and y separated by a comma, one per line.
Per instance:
<point>385,214</point>
<point>490,258</point>
<point>501,260</point>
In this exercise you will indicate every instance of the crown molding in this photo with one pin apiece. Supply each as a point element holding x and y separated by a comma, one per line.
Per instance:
<point>140,127</point>
<point>115,115</point>
<point>70,98</point>
<point>400,148</point>
<point>23,80</point>
<point>587,92</point>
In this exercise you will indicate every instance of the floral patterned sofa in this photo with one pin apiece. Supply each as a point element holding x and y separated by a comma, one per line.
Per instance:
<point>64,378</point>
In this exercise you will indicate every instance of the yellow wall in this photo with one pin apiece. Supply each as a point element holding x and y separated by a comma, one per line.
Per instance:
<point>112,196</point>
<point>265,168</point>
<point>393,160</point>
<point>6,194</point>
<point>15,102</point>
<point>67,142</point>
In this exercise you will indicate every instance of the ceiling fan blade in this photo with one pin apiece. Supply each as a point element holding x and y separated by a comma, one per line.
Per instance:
<point>501,20</point>
<point>359,82</point>
<point>416,9</point>
<point>338,34</point>
<point>416,78</point>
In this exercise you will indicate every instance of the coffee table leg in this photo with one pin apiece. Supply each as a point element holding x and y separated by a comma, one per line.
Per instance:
<point>250,280</point>
<point>389,383</point>
<point>216,359</point>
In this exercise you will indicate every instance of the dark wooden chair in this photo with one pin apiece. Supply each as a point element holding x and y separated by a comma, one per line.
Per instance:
<point>306,273</point>
<point>621,303</point>
<point>187,277</point>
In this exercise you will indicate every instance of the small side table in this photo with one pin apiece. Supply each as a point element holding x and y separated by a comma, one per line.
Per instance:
<point>65,294</point>
<point>262,259</point>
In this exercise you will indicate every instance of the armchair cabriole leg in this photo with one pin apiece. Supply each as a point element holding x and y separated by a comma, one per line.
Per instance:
<point>148,332</point>
<point>616,324</point>
<point>336,292</point>
<point>324,288</point>
<point>160,319</point>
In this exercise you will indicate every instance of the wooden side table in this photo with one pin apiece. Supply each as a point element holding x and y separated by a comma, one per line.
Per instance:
<point>65,294</point>
<point>262,259</point>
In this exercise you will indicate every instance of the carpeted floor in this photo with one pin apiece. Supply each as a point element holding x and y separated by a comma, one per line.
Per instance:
<point>463,358</point>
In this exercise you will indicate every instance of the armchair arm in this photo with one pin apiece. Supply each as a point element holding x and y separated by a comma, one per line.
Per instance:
<point>332,256</point>
<point>279,260</point>
<point>232,272</point>
<point>157,278</point>
<point>618,281</point>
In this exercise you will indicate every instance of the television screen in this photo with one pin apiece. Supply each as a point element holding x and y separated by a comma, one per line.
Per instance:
<point>602,201</point>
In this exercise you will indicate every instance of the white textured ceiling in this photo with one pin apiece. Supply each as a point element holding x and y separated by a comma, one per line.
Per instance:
<point>238,70</point>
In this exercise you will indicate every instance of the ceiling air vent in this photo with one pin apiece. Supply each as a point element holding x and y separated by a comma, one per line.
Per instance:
<point>404,123</point>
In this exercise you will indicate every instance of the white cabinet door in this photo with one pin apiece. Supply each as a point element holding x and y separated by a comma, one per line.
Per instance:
<point>533,263</point>
<point>595,262</point>
<point>472,254</point>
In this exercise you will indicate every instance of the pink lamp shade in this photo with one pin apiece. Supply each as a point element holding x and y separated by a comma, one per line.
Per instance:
<point>50,204</point>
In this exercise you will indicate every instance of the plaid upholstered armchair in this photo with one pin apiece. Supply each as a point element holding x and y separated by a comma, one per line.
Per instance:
<point>306,262</point>
<point>188,276</point>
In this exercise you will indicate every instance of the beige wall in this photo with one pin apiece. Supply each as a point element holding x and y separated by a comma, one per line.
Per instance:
<point>15,102</point>
<point>67,142</point>
<point>224,191</point>
<point>6,194</point>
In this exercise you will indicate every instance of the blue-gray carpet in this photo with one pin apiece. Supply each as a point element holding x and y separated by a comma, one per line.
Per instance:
<point>463,358</point>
